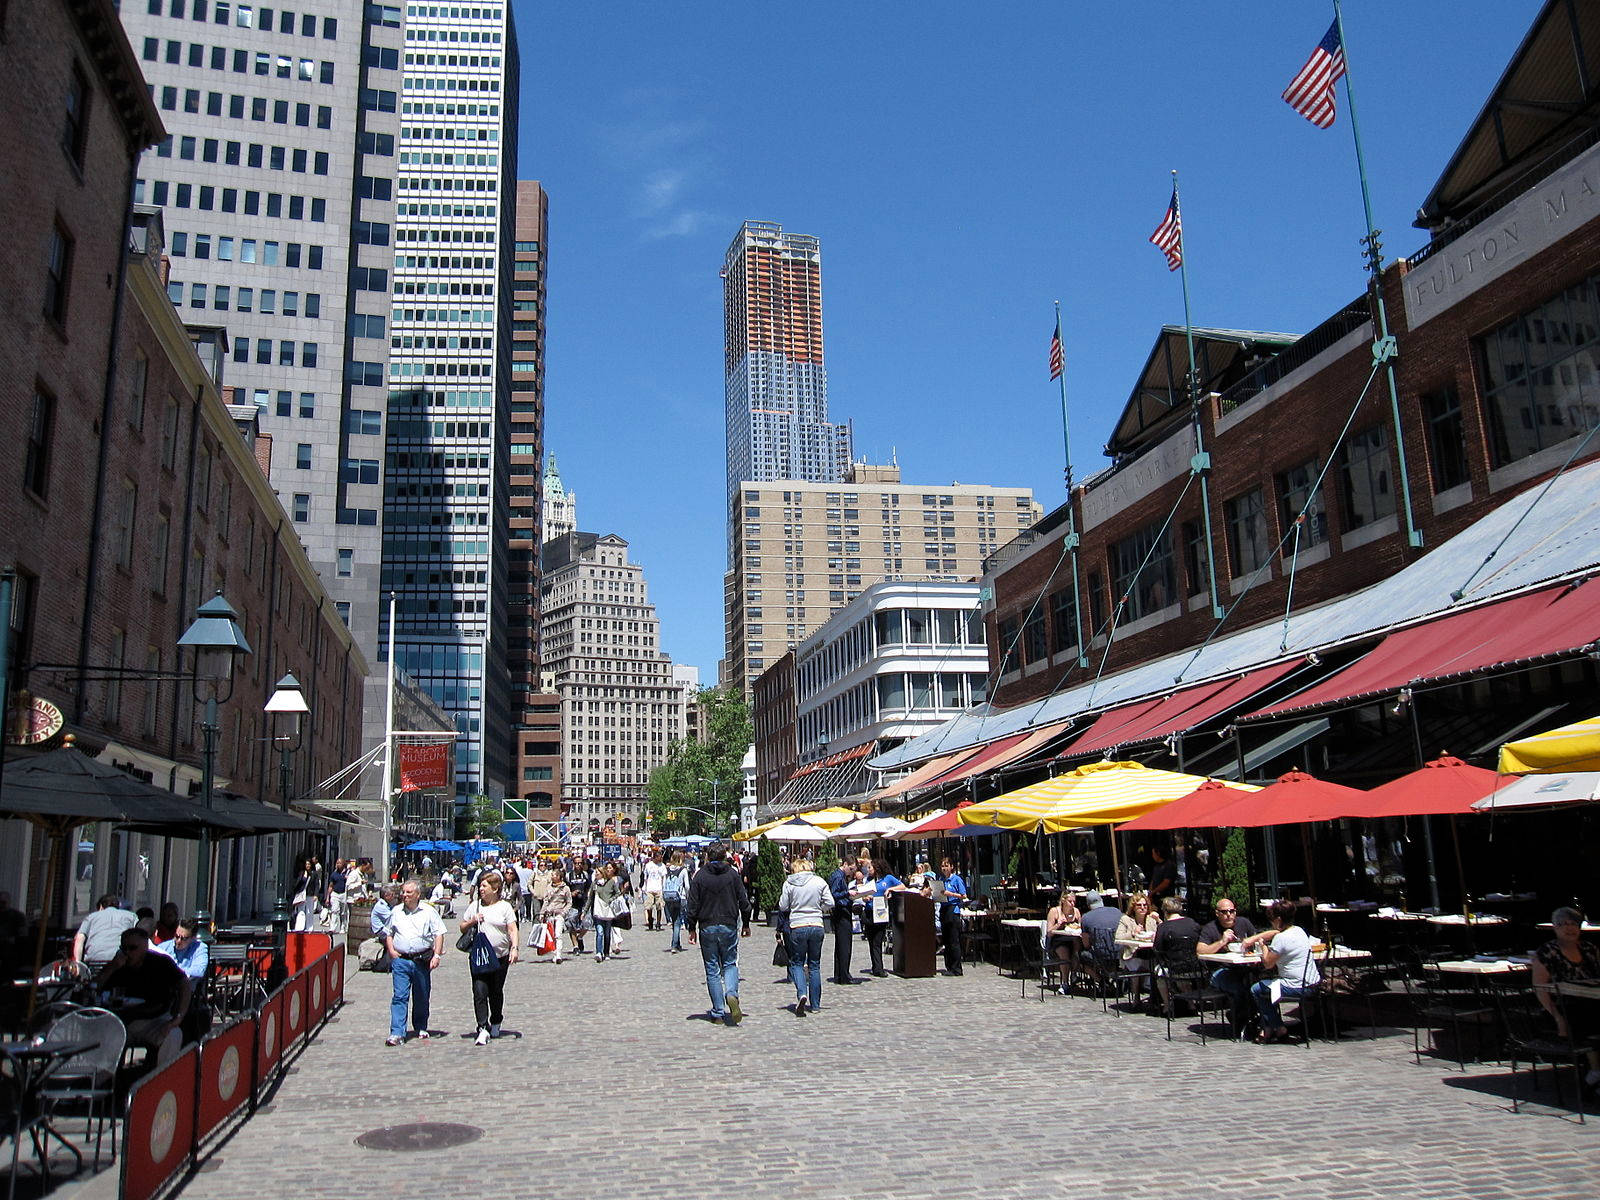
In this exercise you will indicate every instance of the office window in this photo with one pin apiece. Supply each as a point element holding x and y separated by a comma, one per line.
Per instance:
<point>301,512</point>
<point>302,457</point>
<point>1033,637</point>
<point>347,561</point>
<point>1142,572</point>
<point>36,454</point>
<point>1297,491</point>
<point>1364,477</point>
<point>1447,447</point>
<point>1246,518</point>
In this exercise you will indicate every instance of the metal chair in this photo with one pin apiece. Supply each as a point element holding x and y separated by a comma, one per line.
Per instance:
<point>1189,982</point>
<point>232,984</point>
<point>21,1116</point>
<point>89,1077</point>
<point>1529,1038</point>
<point>1436,1001</point>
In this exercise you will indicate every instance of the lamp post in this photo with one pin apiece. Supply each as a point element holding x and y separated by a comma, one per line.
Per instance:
<point>218,643</point>
<point>286,705</point>
<point>715,820</point>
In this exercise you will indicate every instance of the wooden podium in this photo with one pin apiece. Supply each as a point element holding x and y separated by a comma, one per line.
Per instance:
<point>914,950</point>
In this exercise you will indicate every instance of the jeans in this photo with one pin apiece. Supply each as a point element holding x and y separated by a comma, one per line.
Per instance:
<point>675,915</point>
<point>843,939</point>
<point>413,983</point>
<point>602,937</point>
<point>1237,985</point>
<point>489,995</point>
<point>1261,993</point>
<point>719,947</point>
<point>805,963</point>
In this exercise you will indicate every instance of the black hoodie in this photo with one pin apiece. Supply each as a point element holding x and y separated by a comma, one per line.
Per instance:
<point>717,897</point>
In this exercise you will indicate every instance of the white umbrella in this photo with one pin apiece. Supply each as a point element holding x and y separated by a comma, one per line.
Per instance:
<point>868,828</point>
<point>1541,791</point>
<point>796,831</point>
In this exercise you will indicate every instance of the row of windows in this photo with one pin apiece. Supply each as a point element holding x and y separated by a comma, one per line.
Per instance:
<point>308,351</point>
<point>252,154</point>
<point>258,110</point>
<point>450,110</point>
<point>228,298</point>
<point>246,16</point>
<point>453,60</point>
<point>432,158</point>
<point>472,36</point>
<point>281,66</point>
<point>265,252</point>
<point>208,198</point>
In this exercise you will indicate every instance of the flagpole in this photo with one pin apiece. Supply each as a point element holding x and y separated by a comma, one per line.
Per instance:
<point>387,823</point>
<point>1383,346</point>
<point>1071,538</point>
<point>1200,464</point>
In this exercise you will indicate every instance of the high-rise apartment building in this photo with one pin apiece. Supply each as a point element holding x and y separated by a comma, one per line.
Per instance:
<point>448,520</point>
<point>622,704</point>
<point>276,184</point>
<point>560,505</point>
<point>776,381</point>
<point>801,551</point>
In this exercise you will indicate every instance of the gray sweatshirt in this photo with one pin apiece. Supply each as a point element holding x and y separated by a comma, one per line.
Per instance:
<point>806,899</point>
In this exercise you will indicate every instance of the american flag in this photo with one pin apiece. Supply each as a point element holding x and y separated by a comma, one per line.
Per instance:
<point>1311,92</point>
<point>1169,234</point>
<point>1057,363</point>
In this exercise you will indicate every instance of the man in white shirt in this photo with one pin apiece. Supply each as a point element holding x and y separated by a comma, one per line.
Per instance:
<point>655,880</point>
<point>415,941</point>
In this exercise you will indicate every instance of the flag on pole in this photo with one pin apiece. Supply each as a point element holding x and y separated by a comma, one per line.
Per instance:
<point>1311,92</point>
<point>1169,234</point>
<point>1056,361</point>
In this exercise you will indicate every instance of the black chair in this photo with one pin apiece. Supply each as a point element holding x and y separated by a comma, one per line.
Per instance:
<point>1188,981</point>
<point>232,984</point>
<point>88,1078</point>
<point>1530,1038</point>
<point>1436,1001</point>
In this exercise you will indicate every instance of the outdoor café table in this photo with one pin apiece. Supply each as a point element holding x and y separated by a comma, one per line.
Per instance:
<point>1232,958</point>
<point>1588,927</point>
<point>1021,927</point>
<point>1478,968</point>
<point>33,1063</point>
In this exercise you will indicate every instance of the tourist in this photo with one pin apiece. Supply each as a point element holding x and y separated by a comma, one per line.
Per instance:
<point>185,949</point>
<point>157,992</point>
<point>655,878</point>
<point>1285,951</point>
<point>414,938</point>
<point>1567,958</point>
<point>805,901</point>
<point>1227,927</point>
<point>555,907</point>
<point>605,899</point>
<point>339,897</point>
<point>1176,938</point>
<point>578,880</point>
<point>717,898</point>
<point>99,938</point>
<point>538,889</point>
<point>307,892</point>
<point>842,884</point>
<point>881,883</point>
<point>674,895</point>
<point>494,917</point>
<point>622,906</point>
<point>1062,938</point>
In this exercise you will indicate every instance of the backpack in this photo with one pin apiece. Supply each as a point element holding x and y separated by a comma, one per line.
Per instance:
<point>672,888</point>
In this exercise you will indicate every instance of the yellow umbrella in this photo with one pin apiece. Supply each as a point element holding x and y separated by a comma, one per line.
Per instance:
<point>1574,747</point>
<point>745,835</point>
<point>822,818</point>
<point>1105,793</point>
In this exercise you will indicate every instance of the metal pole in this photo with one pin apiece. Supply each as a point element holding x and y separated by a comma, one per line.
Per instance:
<point>208,741</point>
<point>1200,464</point>
<point>1384,348</point>
<point>387,823</point>
<point>1427,825</point>
<point>1071,539</point>
<point>280,914</point>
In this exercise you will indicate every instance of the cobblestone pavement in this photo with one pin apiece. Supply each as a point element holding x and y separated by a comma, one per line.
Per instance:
<point>898,1088</point>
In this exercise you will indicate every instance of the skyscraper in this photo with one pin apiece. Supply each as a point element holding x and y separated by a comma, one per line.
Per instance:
<point>560,504</point>
<point>448,520</point>
<point>276,184</point>
<point>776,382</point>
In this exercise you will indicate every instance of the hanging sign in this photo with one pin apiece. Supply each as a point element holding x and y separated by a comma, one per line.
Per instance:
<point>426,766</point>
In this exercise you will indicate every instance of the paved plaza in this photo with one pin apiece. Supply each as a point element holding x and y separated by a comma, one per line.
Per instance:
<point>952,1087</point>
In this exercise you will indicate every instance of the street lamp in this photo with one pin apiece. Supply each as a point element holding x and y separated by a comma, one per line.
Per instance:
<point>715,820</point>
<point>286,706</point>
<point>218,643</point>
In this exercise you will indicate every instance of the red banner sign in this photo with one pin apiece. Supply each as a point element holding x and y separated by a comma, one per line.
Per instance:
<point>426,766</point>
<point>226,1075</point>
<point>160,1127</point>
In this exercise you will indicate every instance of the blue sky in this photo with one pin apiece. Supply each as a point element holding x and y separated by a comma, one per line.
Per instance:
<point>965,166</point>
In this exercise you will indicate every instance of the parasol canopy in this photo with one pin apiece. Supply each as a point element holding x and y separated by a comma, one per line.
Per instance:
<point>1444,786</point>
<point>1544,791</point>
<point>1574,747</point>
<point>868,828</point>
<point>1106,793</point>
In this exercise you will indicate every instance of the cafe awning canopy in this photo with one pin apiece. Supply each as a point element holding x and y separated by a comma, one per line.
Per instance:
<point>1574,747</point>
<point>868,828</point>
<point>1445,786</point>
<point>1544,791</point>
<point>1107,793</point>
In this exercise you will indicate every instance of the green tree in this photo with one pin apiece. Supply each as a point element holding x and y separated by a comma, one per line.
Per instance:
<point>769,876</point>
<point>685,780</point>
<point>827,859</point>
<point>482,817</point>
<point>1233,874</point>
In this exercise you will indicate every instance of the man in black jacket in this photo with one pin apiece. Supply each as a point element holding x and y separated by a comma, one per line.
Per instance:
<point>718,900</point>
<point>843,918</point>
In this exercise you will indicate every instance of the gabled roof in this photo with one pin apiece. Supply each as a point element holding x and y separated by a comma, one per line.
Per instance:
<point>1548,96</point>
<point>1221,356</point>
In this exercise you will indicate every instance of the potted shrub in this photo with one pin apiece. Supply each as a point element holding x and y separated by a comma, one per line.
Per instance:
<point>769,878</point>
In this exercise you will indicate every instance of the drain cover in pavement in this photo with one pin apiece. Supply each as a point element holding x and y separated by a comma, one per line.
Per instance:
<point>419,1137</point>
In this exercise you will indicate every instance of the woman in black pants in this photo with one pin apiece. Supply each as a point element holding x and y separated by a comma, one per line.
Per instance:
<point>882,883</point>
<point>497,921</point>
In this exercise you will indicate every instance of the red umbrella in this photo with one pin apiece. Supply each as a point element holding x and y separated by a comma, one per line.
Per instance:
<point>1188,812</point>
<point>1294,799</point>
<point>1444,786</point>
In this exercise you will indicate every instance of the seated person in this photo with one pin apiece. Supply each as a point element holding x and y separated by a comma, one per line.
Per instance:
<point>1102,926</point>
<point>1227,927</point>
<point>166,924</point>
<point>99,937</point>
<point>1058,943</point>
<point>1286,955</point>
<point>1567,958</point>
<point>159,992</point>
<point>388,897</point>
<point>185,949</point>
<point>1176,937</point>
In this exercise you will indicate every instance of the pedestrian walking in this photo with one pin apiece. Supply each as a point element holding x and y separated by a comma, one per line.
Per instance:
<point>674,896</point>
<point>495,918</point>
<point>415,941</point>
<point>308,885</point>
<point>604,899</point>
<point>556,907</point>
<point>579,880</point>
<point>806,901</point>
<point>339,897</point>
<point>655,878</point>
<point>621,910</point>
<point>717,900</point>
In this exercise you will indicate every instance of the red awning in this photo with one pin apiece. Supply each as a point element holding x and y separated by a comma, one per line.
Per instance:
<point>1149,721</point>
<point>1551,621</point>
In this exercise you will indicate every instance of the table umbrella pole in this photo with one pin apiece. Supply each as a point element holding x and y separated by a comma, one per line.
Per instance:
<point>1116,866</point>
<point>44,910</point>
<point>1461,874</point>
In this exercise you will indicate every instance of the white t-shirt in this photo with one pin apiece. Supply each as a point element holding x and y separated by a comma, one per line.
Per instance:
<point>498,919</point>
<point>1295,962</point>
<point>655,876</point>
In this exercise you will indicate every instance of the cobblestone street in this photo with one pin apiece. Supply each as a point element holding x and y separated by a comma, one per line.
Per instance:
<point>955,1086</point>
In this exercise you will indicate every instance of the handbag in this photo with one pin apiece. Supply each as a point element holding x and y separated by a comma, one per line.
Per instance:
<point>484,960</point>
<point>622,913</point>
<point>780,953</point>
<point>467,939</point>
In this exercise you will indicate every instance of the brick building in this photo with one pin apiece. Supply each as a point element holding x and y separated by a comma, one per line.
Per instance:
<point>134,491</point>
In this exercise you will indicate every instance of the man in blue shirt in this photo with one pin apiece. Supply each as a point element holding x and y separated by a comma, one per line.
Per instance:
<point>955,895</point>
<point>843,919</point>
<point>188,951</point>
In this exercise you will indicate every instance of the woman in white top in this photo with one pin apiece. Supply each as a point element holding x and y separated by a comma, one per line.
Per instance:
<point>497,921</point>
<point>1286,952</point>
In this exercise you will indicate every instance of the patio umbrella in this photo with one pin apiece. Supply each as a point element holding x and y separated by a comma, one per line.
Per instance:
<point>421,844</point>
<point>868,828</point>
<point>1189,812</point>
<point>945,824</point>
<point>1574,747</point>
<point>796,831</point>
<point>1544,791</point>
<point>1443,787</point>
<point>1294,799</point>
<point>448,846</point>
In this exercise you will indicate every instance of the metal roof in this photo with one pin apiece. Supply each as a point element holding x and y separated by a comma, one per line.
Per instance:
<point>1558,538</point>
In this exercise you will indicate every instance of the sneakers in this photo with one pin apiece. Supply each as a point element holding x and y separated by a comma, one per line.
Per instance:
<point>599,958</point>
<point>483,1038</point>
<point>494,1029</point>
<point>422,1035</point>
<point>800,1007</point>
<point>393,1041</point>
<point>735,1013</point>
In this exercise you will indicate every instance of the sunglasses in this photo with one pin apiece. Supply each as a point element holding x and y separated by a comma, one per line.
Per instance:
<point>1226,911</point>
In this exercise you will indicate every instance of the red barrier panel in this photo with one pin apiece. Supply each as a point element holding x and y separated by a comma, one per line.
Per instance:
<point>303,949</point>
<point>316,994</point>
<point>294,1011</point>
<point>160,1127</point>
<point>225,1075</point>
<point>336,969</point>
<point>269,1038</point>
